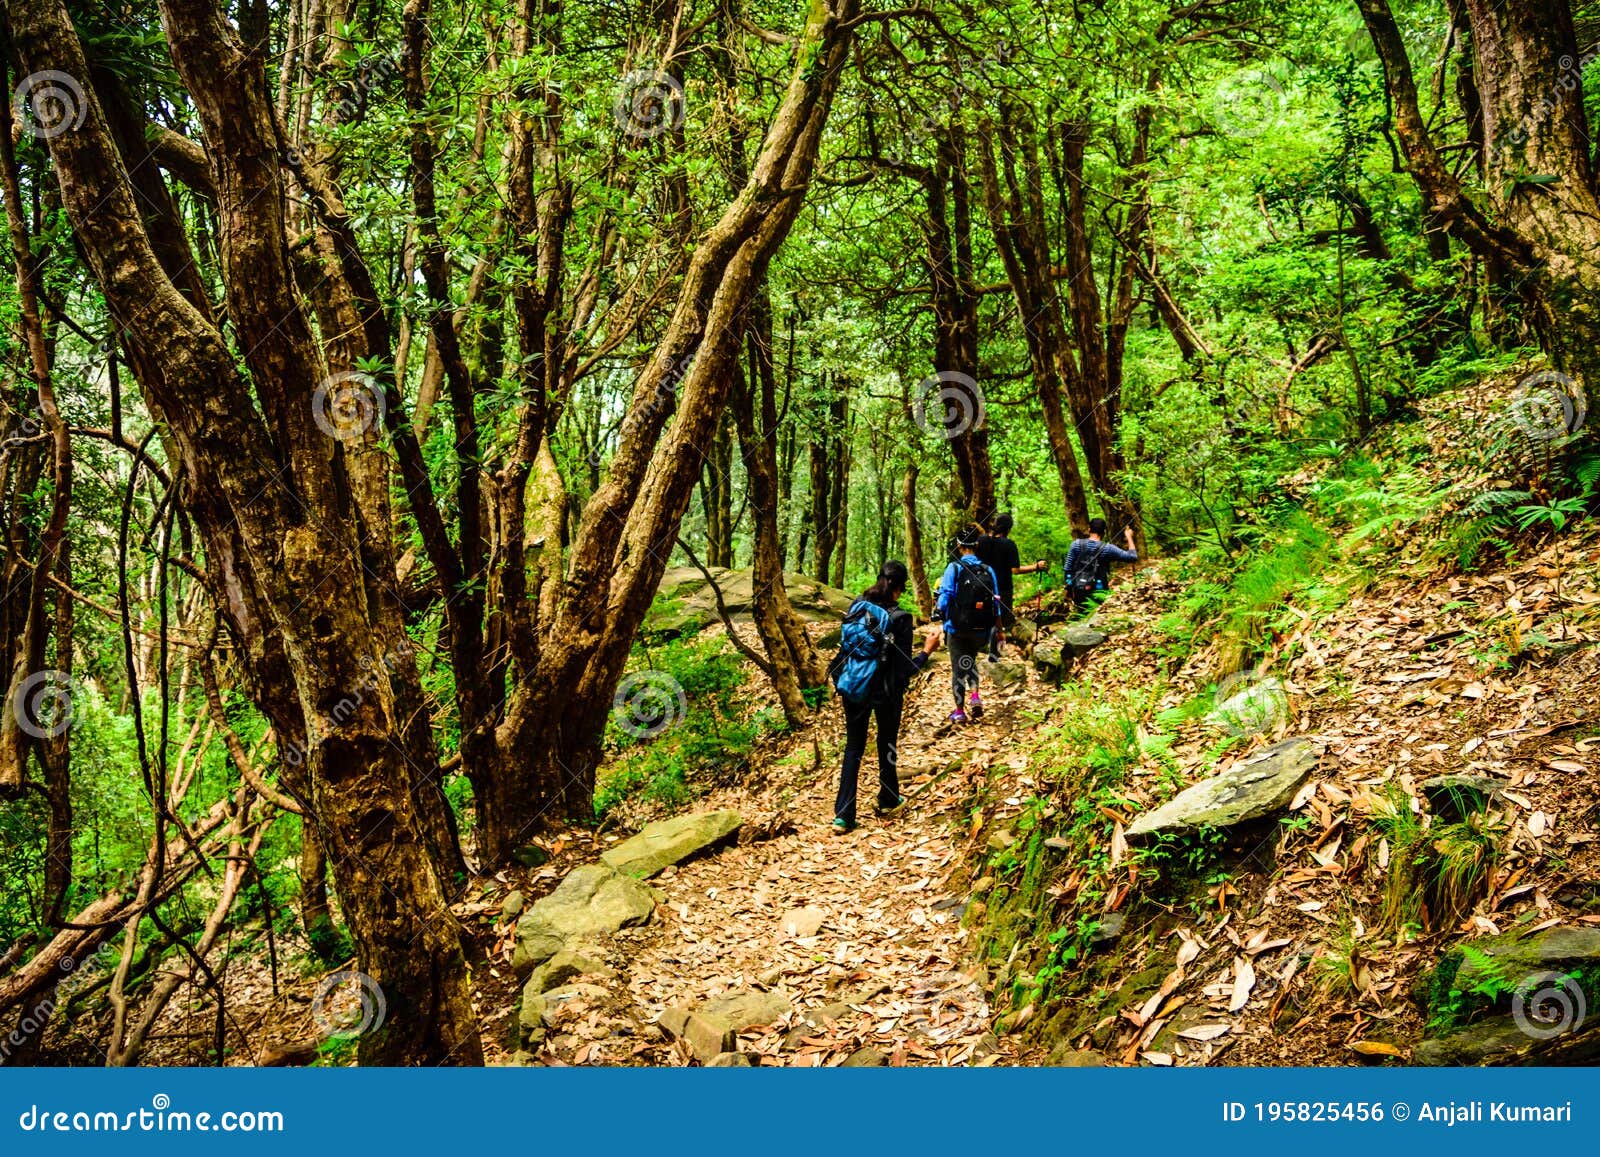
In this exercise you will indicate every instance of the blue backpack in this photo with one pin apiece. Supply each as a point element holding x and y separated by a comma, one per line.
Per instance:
<point>863,642</point>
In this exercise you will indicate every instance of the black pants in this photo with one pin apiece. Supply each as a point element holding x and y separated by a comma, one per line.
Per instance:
<point>857,718</point>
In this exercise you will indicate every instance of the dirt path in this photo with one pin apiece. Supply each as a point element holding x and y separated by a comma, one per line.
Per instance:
<point>860,934</point>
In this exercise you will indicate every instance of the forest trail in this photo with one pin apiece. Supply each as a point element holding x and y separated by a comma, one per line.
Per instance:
<point>855,942</point>
<point>885,969</point>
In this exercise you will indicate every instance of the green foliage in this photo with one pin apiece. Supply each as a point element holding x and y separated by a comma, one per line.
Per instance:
<point>714,735</point>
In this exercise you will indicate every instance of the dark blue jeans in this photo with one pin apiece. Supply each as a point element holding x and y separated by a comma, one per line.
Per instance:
<point>857,719</point>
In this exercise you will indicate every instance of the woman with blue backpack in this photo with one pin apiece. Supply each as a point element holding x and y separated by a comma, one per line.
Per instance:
<point>875,665</point>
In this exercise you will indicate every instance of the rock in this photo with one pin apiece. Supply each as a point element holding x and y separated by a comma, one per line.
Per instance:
<point>670,842</point>
<point>594,900</point>
<point>1454,797</point>
<point>674,1020</point>
<point>982,885</point>
<point>1053,655</point>
<point>530,856</point>
<point>1005,673</point>
<point>539,1010</point>
<point>1260,707</point>
<point>1251,789</point>
<point>562,967</point>
<point>1546,982</point>
<point>1001,838</point>
<point>745,1008</point>
<point>729,1061</point>
<point>1022,632</point>
<point>1082,639</point>
<point>706,1034</point>
<point>1064,1056</point>
<point>865,1057</point>
<point>512,905</point>
<point>803,922</point>
<point>1501,1041</point>
<point>709,1036</point>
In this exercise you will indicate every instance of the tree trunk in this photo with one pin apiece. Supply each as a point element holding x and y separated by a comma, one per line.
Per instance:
<point>1541,228</point>
<point>280,486</point>
<point>915,563</point>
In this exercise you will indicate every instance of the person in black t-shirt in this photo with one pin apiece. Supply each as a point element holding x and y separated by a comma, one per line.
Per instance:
<point>1000,554</point>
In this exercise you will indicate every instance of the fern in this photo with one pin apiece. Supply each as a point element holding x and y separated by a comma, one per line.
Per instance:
<point>1495,501</point>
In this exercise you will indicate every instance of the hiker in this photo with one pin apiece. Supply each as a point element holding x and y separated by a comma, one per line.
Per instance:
<point>875,664</point>
<point>969,602</point>
<point>1089,560</point>
<point>999,554</point>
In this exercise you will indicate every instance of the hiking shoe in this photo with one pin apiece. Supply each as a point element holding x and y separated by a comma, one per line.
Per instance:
<point>843,827</point>
<point>893,808</point>
<point>958,717</point>
<point>975,707</point>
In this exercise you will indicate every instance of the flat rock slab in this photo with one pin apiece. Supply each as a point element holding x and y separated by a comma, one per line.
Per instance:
<point>594,900</point>
<point>803,922</point>
<point>668,842</point>
<point>1251,789</point>
<point>746,1008</point>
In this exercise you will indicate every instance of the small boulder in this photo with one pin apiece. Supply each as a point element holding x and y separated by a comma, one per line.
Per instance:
<point>670,842</point>
<point>594,900</point>
<point>729,1061</point>
<point>1252,789</point>
<point>709,1036</point>
<point>513,904</point>
<point>1022,632</point>
<point>865,1057</point>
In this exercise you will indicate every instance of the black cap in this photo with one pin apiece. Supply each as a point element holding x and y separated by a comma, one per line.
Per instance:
<point>968,537</point>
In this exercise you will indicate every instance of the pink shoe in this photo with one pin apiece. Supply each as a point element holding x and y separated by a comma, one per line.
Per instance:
<point>958,717</point>
<point>975,707</point>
